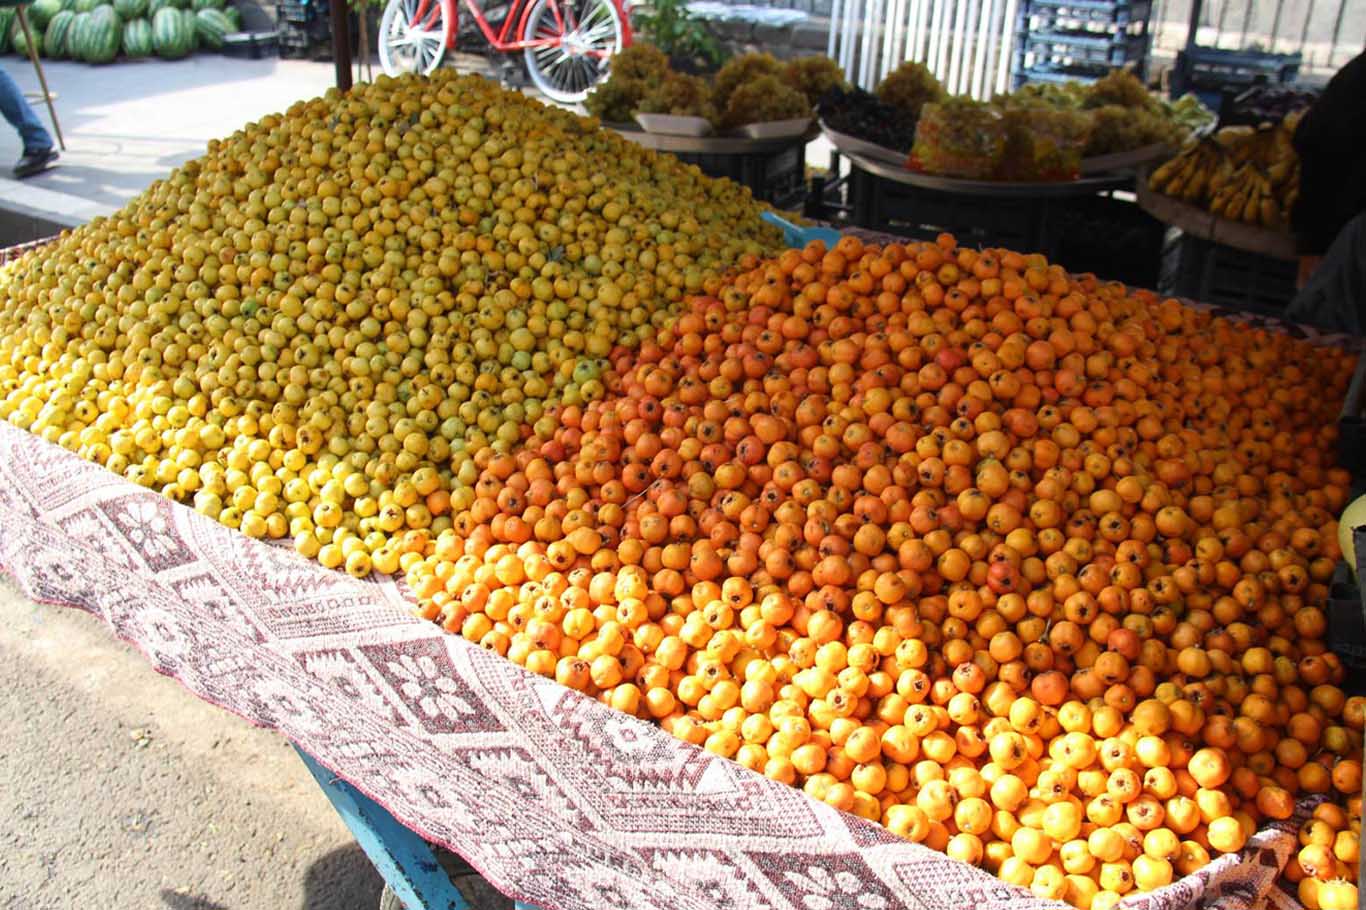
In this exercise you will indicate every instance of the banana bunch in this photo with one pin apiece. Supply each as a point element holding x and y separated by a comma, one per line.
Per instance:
<point>1188,176</point>
<point>1242,173</point>
<point>1248,195</point>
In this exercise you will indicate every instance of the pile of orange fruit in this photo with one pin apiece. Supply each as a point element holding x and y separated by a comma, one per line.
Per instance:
<point>1028,567</point>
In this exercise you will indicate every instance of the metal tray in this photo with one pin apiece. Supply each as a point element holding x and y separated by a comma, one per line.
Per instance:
<point>1127,161</point>
<point>853,145</point>
<point>715,145</point>
<point>1198,222</point>
<point>674,125</point>
<point>775,129</point>
<point>1084,186</point>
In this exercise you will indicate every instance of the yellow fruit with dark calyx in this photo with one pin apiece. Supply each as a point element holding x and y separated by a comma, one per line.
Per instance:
<point>316,328</point>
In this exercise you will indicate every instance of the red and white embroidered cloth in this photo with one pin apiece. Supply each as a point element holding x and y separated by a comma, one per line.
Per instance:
<point>555,798</point>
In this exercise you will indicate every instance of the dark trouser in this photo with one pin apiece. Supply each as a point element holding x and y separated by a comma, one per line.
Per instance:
<point>17,111</point>
<point>1334,299</point>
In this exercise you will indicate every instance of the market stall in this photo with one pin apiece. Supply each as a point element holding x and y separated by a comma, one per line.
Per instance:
<point>733,576</point>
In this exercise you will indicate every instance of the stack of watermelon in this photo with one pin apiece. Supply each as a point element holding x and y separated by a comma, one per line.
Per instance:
<point>96,31</point>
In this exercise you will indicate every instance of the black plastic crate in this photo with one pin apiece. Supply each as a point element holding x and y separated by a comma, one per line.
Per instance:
<point>896,208</point>
<point>296,42</point>
<point>1209,72</point>
<point>1112,238</point>
<point>296,11</point>
<point>1352,425</point>
<point>1059,72</point>
<point>1120,14</point>
<point>1083,23</point>
<point>1061,40</point>
<point>777,177</point>
<point>1084,47</point>
<point>1224,276</point>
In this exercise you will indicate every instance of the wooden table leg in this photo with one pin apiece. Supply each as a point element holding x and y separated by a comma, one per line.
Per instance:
<point>38,68</point>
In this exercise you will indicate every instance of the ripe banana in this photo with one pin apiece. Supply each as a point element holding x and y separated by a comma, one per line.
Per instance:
<point>1271,213</point>
<point>1241,173</point>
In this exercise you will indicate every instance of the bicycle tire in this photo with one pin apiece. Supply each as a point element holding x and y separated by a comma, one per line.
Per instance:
<point>568,76</point>
<point>403,49</point>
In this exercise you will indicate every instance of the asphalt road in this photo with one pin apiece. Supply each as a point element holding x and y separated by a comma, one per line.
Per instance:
<point>122,790</point>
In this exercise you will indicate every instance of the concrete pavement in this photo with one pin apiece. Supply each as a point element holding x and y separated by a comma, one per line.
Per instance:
<point>131,122</point>
<point>123,790</point>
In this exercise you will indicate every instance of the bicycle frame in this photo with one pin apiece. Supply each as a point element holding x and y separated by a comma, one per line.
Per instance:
<point>518,12</point>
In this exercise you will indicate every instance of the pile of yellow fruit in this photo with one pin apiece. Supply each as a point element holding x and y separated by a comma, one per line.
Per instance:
<point>309,331</point>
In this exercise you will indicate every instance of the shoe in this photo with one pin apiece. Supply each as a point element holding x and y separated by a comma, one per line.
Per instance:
<point>34,162</point>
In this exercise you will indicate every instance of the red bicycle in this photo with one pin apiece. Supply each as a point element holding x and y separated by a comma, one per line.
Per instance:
<point>566,44</point>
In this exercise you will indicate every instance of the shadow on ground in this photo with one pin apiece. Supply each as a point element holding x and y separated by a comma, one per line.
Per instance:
<point>342,880</point>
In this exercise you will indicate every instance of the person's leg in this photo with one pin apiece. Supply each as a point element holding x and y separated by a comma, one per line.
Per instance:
<point>21,116</point>
<point>1334,298</point>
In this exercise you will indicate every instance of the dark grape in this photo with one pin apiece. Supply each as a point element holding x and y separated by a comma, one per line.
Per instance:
<point>860,114</point>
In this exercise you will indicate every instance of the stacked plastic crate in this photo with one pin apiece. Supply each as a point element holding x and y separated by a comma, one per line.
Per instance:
<point>303,27</point>
<point>1060,40</point>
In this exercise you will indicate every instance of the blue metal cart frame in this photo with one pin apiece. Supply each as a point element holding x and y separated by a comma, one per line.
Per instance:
<point>403,859</point>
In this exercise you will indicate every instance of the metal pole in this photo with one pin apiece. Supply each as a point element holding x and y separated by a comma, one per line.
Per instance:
<point>1219,26</point>
<point>38,68</point>
<point>341,44</point>
<point>1193,26</point>
<point>836,10</point>
<point>1304,32</point>
<point>1276,24</point>
<point>1337,31</point>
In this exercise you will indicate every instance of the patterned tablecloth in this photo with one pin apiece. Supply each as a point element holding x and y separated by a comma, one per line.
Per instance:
<point>553,797</point>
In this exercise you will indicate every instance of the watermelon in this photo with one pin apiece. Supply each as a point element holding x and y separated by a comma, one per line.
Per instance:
<point>198,5</point>
<point>192,23</point>
<point>130,9</point>
<point>234,17</point>
<point>73,35</point>
<point>6,23</point>
<point>40,13</point>
<point>69,5</point>
<point>85,6</point>
<point>154,6</point>
<point>137,39</point>
<point>17,39</point>
<point>99,43</point>
<point>212,25</point>
<point>58,31</point>
<point>172,37</point>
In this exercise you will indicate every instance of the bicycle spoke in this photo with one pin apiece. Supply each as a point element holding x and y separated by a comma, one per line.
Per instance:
<point>571,41</point>
<point>603,32</point>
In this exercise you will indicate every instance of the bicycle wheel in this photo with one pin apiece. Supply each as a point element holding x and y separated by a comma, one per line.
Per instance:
<point>581,36</point>
<point>414,34</point>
